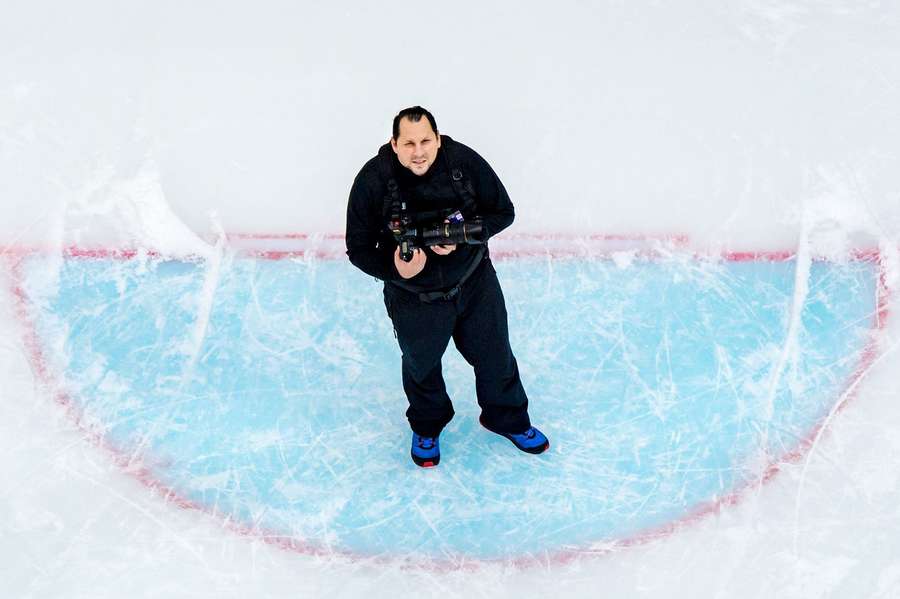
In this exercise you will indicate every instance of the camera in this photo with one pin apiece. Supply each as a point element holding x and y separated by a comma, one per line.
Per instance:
<point>449,230</point>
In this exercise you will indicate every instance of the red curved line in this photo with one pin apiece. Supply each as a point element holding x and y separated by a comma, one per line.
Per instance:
<point>132,466</point>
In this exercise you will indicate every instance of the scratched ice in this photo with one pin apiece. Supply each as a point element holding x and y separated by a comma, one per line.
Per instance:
<point>268,393</point>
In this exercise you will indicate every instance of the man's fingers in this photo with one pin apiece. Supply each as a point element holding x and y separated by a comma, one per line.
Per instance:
<point>443,250</point>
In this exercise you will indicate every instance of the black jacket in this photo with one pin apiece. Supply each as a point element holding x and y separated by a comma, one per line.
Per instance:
<point>370,246</point>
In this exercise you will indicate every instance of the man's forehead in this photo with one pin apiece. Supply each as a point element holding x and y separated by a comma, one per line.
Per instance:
<point>414,130</point>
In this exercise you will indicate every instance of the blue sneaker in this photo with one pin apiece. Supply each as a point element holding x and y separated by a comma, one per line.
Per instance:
<point>426,451</point>
<point>530,441</point>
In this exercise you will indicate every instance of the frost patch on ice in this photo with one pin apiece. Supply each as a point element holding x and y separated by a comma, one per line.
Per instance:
<point>218,480</point>
<point>29,519</point>
<point>772,20</point>
<point>623,259</point>
<point>22,90</point>
<point>834,221</point>
<point>129,212</point>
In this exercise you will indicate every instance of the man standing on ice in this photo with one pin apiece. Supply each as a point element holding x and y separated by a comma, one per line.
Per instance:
<point>437,292</point>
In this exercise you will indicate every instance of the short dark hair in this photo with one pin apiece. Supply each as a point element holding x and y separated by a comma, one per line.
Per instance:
<point>414,114</point>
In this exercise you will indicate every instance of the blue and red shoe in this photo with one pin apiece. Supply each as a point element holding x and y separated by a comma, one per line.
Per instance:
<point>530,441</point>
<point>426,451</point>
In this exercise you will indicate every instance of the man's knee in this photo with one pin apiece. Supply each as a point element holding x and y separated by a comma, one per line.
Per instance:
<point>420,367</point>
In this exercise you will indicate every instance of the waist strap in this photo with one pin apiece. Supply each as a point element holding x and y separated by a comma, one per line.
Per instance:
<point>433,296</point>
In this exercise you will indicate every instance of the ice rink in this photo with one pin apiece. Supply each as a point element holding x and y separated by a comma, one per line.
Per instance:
<point>201,396</point>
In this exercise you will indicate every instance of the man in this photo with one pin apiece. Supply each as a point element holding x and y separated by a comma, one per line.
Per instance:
<point>435,293</point>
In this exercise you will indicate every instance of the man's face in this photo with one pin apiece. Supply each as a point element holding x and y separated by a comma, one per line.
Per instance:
<point>416,145</point>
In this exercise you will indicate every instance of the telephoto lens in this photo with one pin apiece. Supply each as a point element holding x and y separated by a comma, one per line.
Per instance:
<point>456,232</point>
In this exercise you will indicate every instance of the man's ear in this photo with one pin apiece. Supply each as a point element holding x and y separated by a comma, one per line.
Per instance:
<point>394,145</point>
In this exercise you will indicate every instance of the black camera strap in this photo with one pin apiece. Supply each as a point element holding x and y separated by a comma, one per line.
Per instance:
<point>433,296</point>
<point>461,184</point>
<point>392,200</point>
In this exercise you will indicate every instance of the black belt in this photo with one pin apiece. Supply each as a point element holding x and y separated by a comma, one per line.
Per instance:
<point>432,296</point>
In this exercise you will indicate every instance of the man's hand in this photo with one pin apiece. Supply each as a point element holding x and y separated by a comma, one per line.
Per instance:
<point>409,269</point>
<point>443,250</point>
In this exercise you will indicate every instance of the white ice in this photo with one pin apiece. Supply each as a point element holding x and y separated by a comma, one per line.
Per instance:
<point>745,125</point>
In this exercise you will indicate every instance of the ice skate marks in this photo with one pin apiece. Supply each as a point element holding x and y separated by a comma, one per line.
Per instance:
<point>271,396</point>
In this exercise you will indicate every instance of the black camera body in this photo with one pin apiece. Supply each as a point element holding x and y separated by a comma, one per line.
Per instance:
<point>447,230</point>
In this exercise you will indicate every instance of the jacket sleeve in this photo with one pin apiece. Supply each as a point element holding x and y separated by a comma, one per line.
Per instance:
<point>494,205</point>
<point>365,244</point>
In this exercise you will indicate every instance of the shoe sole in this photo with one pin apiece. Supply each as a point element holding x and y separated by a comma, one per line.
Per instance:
<point>532,450</point>
<point>426,462</point>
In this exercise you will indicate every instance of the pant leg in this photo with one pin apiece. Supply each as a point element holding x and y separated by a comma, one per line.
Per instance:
<point>482,337</point>
<point>423,332</point>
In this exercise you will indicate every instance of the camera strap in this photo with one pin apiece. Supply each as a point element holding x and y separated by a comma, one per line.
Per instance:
<point>429,297</point>
<point>392,200</point>
<point>433,296</point>
<point>461,184</point>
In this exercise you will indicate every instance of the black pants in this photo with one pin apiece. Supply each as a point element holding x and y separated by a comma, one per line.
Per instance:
<point>476,321</point>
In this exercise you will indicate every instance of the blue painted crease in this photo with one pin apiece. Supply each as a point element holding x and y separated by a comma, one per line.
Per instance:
<point>651,381</point>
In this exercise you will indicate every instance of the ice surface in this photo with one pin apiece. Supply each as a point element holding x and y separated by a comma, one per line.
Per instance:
<point>184,397</point>
<point>667,385</point>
